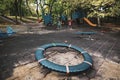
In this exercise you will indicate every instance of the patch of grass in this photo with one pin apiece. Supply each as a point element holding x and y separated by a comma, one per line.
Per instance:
<point>4,22</point>
<point>27,19</point>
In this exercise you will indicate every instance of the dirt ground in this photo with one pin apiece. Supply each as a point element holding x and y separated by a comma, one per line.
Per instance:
<point>17,53</point>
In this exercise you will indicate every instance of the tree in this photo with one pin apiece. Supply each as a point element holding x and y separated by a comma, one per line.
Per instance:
<point>37,8</point>
<point>5,6</point>
<point>100,9</point>
<point>97,8</point>
<point>27,4</point>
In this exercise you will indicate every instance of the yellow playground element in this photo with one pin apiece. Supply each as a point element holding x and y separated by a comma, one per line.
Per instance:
<point>89,22</point>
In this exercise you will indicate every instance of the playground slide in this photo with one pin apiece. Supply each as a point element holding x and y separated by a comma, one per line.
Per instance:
<point>89,22</point>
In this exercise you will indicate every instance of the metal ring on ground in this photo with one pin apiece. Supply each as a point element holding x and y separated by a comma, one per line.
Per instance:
<point>86,64</point>
<point>85,33</point>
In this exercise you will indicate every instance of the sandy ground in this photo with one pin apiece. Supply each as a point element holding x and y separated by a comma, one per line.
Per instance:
<point>17,53</point>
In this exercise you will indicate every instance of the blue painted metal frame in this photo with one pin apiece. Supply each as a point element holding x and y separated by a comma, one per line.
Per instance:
<point>9,32</point>
<point>85,33</point>
<point>87,63</point>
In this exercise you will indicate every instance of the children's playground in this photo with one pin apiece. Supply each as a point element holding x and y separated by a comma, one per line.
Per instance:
<point>59,48</point>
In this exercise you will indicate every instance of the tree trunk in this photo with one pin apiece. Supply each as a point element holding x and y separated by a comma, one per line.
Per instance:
<point>99,23</point>
<point>29,8</point>
<point>20,9</point>
<point>16,11</point>
<point>37,10</point>
<point>42,9</point>
<point>51,5</point>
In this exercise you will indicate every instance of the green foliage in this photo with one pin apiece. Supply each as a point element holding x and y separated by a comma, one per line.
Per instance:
<point>5,5</point>
<point>94,8</point>
<point>98,8</point>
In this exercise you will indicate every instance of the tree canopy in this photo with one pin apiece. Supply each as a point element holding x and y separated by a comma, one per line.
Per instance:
<point>93,8</point>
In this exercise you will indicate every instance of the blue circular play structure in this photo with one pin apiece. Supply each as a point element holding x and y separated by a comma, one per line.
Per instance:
<point>86,64</point>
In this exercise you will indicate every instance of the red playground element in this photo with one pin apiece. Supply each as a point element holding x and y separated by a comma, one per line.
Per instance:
<point>40,20</point>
